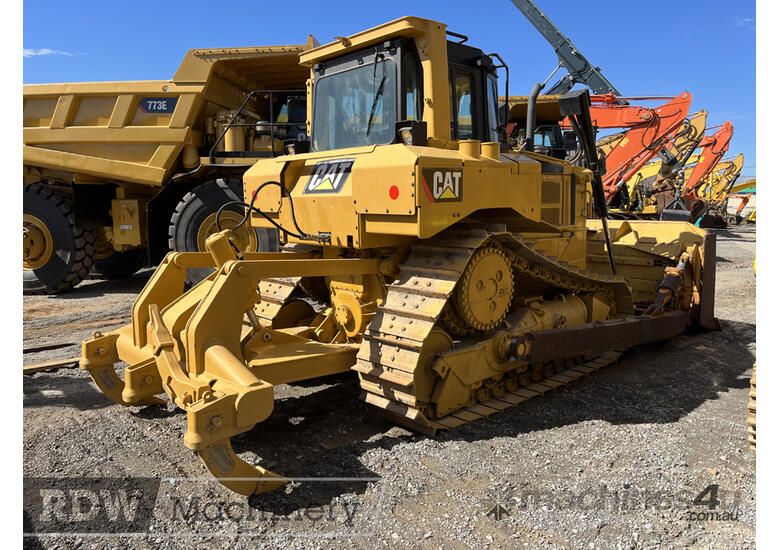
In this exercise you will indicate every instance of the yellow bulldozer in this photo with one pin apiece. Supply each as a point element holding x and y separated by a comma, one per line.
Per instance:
<point>454,276</point>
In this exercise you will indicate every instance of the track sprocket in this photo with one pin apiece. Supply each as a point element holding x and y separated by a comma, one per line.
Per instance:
<point>484,292</point>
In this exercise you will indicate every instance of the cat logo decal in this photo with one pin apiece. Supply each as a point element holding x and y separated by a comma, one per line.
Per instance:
<point>443,184</point>
<point>329,176</point>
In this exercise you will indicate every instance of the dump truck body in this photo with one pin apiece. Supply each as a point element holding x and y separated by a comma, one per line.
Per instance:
<point>122,156</point>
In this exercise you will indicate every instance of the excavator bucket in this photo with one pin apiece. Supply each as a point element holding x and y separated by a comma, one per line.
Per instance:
<point>676,211</point>
<point>712,220</point>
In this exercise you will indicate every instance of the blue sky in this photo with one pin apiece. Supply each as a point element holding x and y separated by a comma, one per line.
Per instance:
<point>658,48</point>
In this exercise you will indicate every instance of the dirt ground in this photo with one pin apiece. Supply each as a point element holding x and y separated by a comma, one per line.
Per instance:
<point>614,460</point>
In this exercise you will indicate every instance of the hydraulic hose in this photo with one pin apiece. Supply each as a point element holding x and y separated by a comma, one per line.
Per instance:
<point>248,208</point>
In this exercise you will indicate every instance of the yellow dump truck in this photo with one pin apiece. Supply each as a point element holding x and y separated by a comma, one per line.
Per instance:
<point>116,174</point>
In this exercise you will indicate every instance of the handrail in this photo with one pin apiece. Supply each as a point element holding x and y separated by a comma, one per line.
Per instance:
<point>271,124</point>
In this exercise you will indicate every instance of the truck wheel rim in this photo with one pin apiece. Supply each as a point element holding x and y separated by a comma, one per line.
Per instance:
<point>37,242</point>
<point>245,238</point>
<point>103,239</point>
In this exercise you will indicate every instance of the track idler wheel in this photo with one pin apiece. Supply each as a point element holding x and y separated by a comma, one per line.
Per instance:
<point>484,292</point>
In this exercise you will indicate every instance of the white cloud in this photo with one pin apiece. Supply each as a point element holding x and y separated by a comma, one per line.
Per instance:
<point>742,21</point>
<point>30,52</point>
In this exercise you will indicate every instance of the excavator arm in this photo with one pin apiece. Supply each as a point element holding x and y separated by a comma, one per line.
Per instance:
<point>723,179</point>
<point>742,187</point>
<point>570,58</point>
<point>669,162</point>
<point>649,131</point>
<point>713,149</point>
<point>710,187</point>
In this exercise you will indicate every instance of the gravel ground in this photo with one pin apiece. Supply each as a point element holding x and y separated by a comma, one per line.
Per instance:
<point>615,460</point>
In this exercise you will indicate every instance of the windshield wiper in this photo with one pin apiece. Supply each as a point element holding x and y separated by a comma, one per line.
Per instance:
<point>378,93</point>
<point>373,105</point>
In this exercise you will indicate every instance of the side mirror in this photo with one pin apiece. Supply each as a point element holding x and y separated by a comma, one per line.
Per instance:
<point>296,146</point>
<point>576,102</point>
<point>411,132</point>
<point>296,109</point>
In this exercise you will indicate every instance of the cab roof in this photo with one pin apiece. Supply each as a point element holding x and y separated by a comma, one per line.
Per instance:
<point>407,27</point>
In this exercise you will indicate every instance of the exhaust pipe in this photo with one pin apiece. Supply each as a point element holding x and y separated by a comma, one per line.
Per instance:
<point>530,119</point>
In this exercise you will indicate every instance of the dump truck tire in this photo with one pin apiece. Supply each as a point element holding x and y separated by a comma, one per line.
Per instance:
<point>120,265</point>
<point>194,220</point>
<point>57,254</point>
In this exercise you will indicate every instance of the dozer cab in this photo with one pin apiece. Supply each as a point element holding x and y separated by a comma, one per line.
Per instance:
<point>455,279</point>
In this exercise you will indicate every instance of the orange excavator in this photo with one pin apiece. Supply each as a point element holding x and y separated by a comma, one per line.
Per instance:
<point>745,200</point>
<point>671,161</point>
<point>665,131</point>
<point>681,202</point>
<point>650,132</point>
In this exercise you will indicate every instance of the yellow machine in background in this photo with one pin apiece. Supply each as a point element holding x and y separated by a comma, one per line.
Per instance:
<point>721,181</point>
<point>455,279</point>
<point>747,191</point>
<point>718,188</point>
<point>116,173</point>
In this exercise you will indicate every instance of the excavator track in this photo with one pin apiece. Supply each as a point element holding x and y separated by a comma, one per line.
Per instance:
<point>393,343</point>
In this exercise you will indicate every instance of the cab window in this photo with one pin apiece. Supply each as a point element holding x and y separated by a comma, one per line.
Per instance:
<point>461,123</point>
<point>412,87</point>
<point>492,108</point>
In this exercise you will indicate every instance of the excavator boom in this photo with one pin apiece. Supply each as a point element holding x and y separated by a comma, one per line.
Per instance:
<point>579,68</point>
<point>649,130</point>
<point>722,180</point>
<point>714,147</point>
